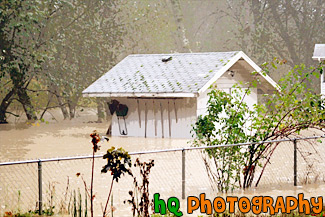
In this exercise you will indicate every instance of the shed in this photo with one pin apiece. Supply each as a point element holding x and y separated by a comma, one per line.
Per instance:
<point>319,54</point>
<point>165,93</point>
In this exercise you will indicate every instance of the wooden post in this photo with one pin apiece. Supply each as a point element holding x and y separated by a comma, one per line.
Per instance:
<point>295,162</point>
<point>139,113</point>
<point>145,119</point>
<point>162,121</point>
<point>169,122</point>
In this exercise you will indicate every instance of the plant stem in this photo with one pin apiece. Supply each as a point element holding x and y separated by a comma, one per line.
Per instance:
<point>91,186</point>
<point>109,195</point>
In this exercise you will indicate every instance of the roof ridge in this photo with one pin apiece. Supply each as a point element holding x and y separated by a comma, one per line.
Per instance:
<point>182,54</point>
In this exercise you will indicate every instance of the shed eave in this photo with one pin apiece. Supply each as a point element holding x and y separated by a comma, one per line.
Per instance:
<point>238,56</point>
<point>261,72</point>
<point>232,61</point>
<point>319,58</point>
<point>141,95</point>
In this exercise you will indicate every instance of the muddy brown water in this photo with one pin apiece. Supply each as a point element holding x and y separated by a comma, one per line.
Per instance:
<point>21,141</point>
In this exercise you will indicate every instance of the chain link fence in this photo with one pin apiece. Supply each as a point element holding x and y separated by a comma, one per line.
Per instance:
<point>177,172</point>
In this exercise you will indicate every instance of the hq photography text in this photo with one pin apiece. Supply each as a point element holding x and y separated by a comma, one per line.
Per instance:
<point>256,205</point>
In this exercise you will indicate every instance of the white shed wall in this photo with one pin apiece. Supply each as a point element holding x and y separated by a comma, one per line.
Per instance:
<point>186,115</point>
<point>225,83</point>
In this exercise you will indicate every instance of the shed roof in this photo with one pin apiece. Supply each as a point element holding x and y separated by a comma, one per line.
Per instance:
<point>184,75</point>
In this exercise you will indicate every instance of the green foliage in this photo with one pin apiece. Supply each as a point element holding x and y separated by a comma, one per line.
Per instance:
<point>20,26</point>
<point>30,213</point>
<point>225,123</point>
<point>48,209</point>
<point>83,38</point>
<point>52,50</point>
<point>294,107</point>
<point>21,50</point>
<point>284,113</point>
<point>118,162</point>
<point>77,210</point>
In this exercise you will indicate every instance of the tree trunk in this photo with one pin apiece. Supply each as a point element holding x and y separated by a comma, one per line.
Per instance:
<point>72,109</point>
<point>27,104</point>
<point>62,107</point>
<point>108,118</point>
<point>4,106</point>
<point>181,39</point>
<point>100,110</point>
<point>61,103</point>
<point>107,111</point>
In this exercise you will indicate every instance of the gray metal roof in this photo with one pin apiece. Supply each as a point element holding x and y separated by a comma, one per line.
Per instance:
<point>147,73</point>
<point>319,52</point>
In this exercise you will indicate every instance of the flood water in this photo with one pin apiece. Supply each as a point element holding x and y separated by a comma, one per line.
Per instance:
<point>19,189</point>
<point>68,138</point>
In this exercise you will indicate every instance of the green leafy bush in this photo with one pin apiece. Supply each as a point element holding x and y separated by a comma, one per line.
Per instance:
<point>282,114</point>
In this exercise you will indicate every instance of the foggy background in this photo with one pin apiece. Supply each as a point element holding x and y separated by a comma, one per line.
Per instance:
<point>51,50</point>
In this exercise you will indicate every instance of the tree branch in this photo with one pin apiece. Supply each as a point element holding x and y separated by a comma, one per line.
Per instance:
<point>12,114</point>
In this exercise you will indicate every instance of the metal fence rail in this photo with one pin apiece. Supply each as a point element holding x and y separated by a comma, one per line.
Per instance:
<point>177,172</point>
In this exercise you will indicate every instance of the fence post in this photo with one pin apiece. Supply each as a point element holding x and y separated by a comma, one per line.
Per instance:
<point>183,174</point>
<point>39,187</point>
<point>295,162</point>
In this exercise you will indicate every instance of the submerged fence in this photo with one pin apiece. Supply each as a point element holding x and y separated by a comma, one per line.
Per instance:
<point>51,185</point>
